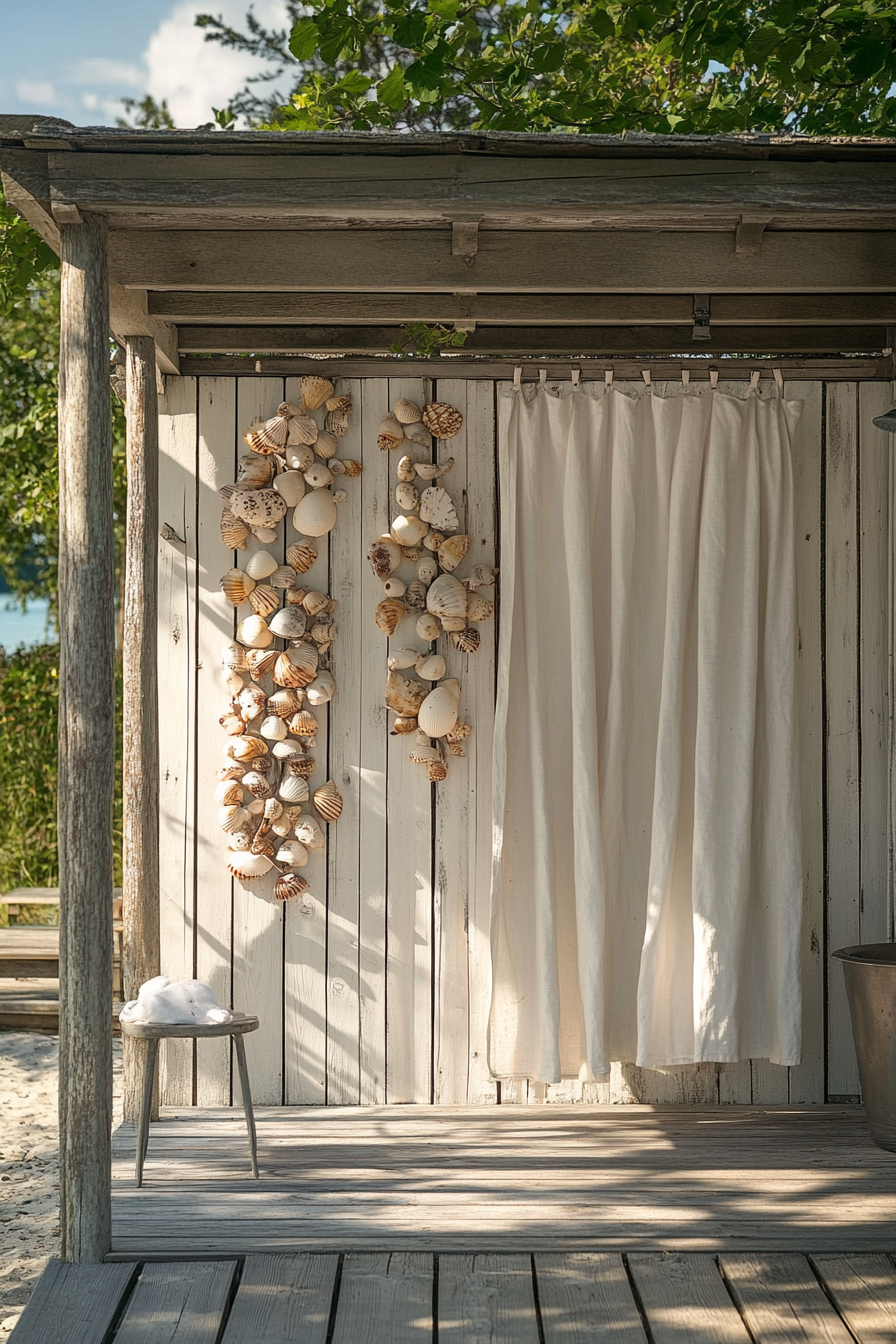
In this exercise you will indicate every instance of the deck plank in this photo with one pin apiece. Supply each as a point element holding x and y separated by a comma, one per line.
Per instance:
<point>685,1300</point>
<point>282,1299</point>
<point>782,1301</point>
<point>486,1299</point>
<point>177,1303</point>
<point>863,1288</point>
<point>73,1304</point>
<point>385,1299</point>
<point>586,1298</point>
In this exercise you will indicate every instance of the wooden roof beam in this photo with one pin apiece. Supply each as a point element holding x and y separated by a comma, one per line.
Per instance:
<point>417,260</point>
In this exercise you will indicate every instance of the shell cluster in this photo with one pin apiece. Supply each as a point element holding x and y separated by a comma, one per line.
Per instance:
<point>276,671</point>
<point>426,531</point>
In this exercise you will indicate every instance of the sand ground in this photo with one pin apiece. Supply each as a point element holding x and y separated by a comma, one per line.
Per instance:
<point>29,1163</point>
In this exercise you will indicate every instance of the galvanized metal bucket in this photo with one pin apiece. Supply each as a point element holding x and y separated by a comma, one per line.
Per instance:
<point>870,971</point>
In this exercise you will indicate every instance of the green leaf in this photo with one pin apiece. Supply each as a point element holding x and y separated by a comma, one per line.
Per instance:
<point>410,30</point>
<point>303,39</point>
<point>391,91</point>
<point>446,9</point>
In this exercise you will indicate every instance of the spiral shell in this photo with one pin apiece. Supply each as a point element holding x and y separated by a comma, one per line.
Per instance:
<point>261,661</point>
<point>296,666</point>
<point>442,421</point>
<point>293,789</point>
<point>384,557</point>
<point>263,599</point>
<point>292,852</point>
<point>254,633</point>
<point>314,391</point>
<point>289,623</point>
<point>328,801</point>
<point>315,513</point>
<point>261,565</point>
<point>388,614</point>
<point>290,886</point>
<point>308,830</point>
<point>301,556</point>
<point>322,689</point>
<point>466,640</point>
<point>248,866</point>
<point>452,551</point>
<point>234,531</point>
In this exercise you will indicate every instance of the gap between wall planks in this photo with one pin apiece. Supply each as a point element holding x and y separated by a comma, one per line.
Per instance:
<point>372,997</point>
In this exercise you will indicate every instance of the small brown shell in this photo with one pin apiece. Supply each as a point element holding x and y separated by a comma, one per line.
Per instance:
<point>234,532</point>
<point>301,556</point>
<point>339,403</point>
<point>285,702</point>
<point>284,576</point>
<point>389,613</point>
<point>328,801</point>
<point>303,767</point>
<point>437,770</point>
<point>303,724</point>
<point>263,764</point>
<point>290,886</point>
<point>268,436</point>
<point>352,468</point>
<point>314,602</point>
<point>467,640</point>
<point>336,421</point>
<point>257,785</point>
<point>452,551</point>
<point>314,391</point>
<point>263,599</point>
<point>442,421</point>
<point>415,595</point>
<point>384,557</point>
<point>233,724</point>
<point>403,725</point>
<point>479,608</point>
<point>407,467</point>
<point>262,844</point>
<point>325,445</point>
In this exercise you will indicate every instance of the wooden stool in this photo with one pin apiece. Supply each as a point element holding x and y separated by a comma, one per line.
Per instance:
<point>153,1032</point>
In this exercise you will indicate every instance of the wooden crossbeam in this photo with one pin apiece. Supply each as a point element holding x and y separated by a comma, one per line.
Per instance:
<point>333,309</point>
<point>535,340</point>
<point>409,260</point>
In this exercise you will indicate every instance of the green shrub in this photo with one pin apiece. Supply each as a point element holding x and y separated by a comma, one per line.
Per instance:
<point>29,698</point>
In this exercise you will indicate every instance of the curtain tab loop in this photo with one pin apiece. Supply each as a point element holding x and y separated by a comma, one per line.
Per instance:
<point>574,375</point>
<point>779,382</point>
<point>685,377</point>
<point>608,378</point>
<point>713,380</point>
<point>754,380</point>
<point>645,374</point>
<point>542,377</point>
<point>518,378</point>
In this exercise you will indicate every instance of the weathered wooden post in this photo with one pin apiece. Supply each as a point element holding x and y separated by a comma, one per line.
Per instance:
<point>86,744</point>
<point>140,952</point>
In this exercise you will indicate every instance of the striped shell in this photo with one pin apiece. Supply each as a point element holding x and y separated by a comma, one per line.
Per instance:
<point>285,702</point>
<point>442,421</point>
<point>273,729</point>
<point>291,485</point>
<point>302,431</point>
<point>232,817</point>
<point>244,748</point>
<point>328,801</point>
<point>261,661</point>
<point>236,586</point>
<point>229,793</point>
<point>248,866</point>
<point>283,577</point>
<point>437,508</point>
<point>263,599</point>
<point>303,766</point>
<point>301,556</point>
<point>303,724</point>
<point>257,785</point>
<point>466,640</point>
<point>452,551</point>
<point>325,445</point>
<point>268,436</point>
<point>336,421</point>
<point>446,597</point>
<point>314,391</point>
<point>234,531</point>
<point>439,711</point>
<point>261,565</point>
<point>296,666</point>
<point>293,789</point>
<point>290,886</point>
<point>407,412</point>
<point>388,613</point>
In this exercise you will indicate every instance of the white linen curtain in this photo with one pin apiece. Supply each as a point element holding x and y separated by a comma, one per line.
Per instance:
<point>647,891</point>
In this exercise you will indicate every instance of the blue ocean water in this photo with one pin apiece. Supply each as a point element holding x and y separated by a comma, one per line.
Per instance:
<point>29,627</point>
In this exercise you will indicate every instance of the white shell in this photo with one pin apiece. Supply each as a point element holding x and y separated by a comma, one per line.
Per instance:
<point>291,485</point>
<point>402,658</point>
<point>265,535</point>
<point>428,627</point>
<point>299,457</point>
<point>437,508</point>
<point>431,471</point>
<point>288,623</point>
<point>294,789</point>
<point>248,866</point>
<point>407,530</point>
<point>254,633</point>
<point>447,597</point>
<point>431,667</point>
<point>231,818</point>
<point>438,713</point>
<point>260,565</point>
<point>394,587</point>
<point>318,475</point>
<point>384,557</point>
<point>407,412</point>
<point>310,832</point>
<point>315,514</point>
<point>390,428</point>
<point>292,852</point>
<point>287,751</point>
<point>407,497</point>
<point>273,728</point>
<point>452,550</point>
<point>322,689</point>
<point>427,569</point>
<point>407,468</point>
<point>283,577</point>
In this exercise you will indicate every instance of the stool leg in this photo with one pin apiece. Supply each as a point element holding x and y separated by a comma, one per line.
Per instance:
<point>247,1101</point>
<point>149,1073</point>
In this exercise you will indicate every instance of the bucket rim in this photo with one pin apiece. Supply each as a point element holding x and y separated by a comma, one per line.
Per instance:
<point>867,954</point>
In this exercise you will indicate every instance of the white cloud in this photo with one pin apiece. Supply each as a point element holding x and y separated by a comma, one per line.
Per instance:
<point>98,70</point>
<point>91,101</point>
<point>38,92</point>
<point>195,75</point>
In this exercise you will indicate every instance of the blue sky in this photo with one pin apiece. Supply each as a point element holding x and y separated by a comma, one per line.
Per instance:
<point>78,59</point>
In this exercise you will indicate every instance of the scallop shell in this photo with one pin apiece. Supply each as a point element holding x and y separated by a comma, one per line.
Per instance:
<point>229,793</point>
<point>428,627</point>
<point>407,412</point>
<point>261,565</point>
<point>249,866</point>
<point>288,623</point>
<point>442,421</point>
<point>480,576</point>
<point>232,817</point>
<point>433,540</point>
<point>261,661</point>
<point>394,587</point>
<point>439,711</point>
<point>339,403</point>
<point>407,497</point>
<point>437,508</point>
<point>466,640</point>
<point>314,391</point>
<point>404,696</point>
<point>283,577</point>
<point>302,430</point>
<point>446,598</point>
<point>384,557</point>
<point>291,485</point>
<point>322,688</point>
<point>415,595</point>
<point>403,725</point>
<point>234,724</point>
<point>289,750</point>
<point>303,766</point>
<point>314,602</point>
<point>236,586</point>
<point>292,852</point>
<point>233,531</point>
<point>299,456</point>
<point>254,633</point>
<point>437,771</point>
<point>318,475</point>
<point>301,556</point>
<point>290,886</point>
<point>427,569</point>
<point>388,614</point>
<point>452,551</point>
<point>407,468</point>
<point>479,608</point>
<point>315,513</point>
<point>293,789</point>
<point>303,724</point>
<point>226,491</point>
<point>325,445</point>
<point>408,529</point>
<point>268,436</point>
<point>258,508</point>
<point>390,434</point>
<point>255,470</point>
<point>352,468</point>
<point>328,801</point>
<point>285,702</point>
<point>431,667</point>
<point>245,748</point>
<point>234,657</point>
<point>263,764</point>
<point>273,729</point>
<point>336,421</point>
<point>308,829</point>
<point>257,785</point>
<point>296,666</point>
<point>263,599</point>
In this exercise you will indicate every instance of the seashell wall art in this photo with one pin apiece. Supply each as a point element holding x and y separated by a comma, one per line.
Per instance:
<point>425,528</point>
<point>276,671</point>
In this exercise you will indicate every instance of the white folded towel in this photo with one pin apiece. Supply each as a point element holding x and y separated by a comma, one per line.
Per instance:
<point>175,1002</point>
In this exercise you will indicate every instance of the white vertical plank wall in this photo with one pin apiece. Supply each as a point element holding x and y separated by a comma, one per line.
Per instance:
<point>375,986</point>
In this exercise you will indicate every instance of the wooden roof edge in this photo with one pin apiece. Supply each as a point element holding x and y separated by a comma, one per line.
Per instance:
<point>19,129</point>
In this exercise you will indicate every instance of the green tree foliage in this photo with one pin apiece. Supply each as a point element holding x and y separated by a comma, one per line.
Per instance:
<point>597,66</point>
<point>146,114</point>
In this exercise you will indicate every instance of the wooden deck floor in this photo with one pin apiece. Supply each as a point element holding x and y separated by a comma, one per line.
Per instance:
<point>412,1297</point>
<point>506,1179</point>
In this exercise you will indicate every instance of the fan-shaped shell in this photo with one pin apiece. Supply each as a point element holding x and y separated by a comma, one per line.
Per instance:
<point>466,640</point>
<point>429,627</point>
<point>248,866</point>
<point>232,817</point>
<point>452,551</point>
<point>308,830</point>
<point>438,712</point>
<point>437,771</point>
<point>325,445</point>
<point>388,614</point>
<point>437,508</point>
<point>314,391</point>
<point>263,599</point>
<point>255,470</point>
<point>293,789</point>
<point>314,602</point>
<point>261,661</point>
<point>268,436</point>
<point>258,508</point>
<point>318,475</point>
<point>229,793</point>
<point>404,696</point>
<point>407,412</point>
<point>289,750</point>
<point>234,531</point>
<point>446,597</point>
<point>245,748</point>
<point>407,497</point>
<point>264,765</point>
<point>384,557</point>
<point>302,430</point>
<point>299,456</point>
<point>402,725</point>
<point>408,529</point>
<point>407,468</point>
<point>290,886</point>
<point>442,421</point>
<point>415,595</point>
<point>234,657</point>
<point>260,565</point>
<point>292,852</point>
<point>394,587</point>
<point>322,688</point>
<point>237,586</point>
<point>303,724</point>
<point>254,633</point>
<point>328,801</point>
<point>296,666</point>
<point>315,514</point>
<point>285,702</point>
<point>291,485</point>
<point>273,729</point>
<point>431,667</point>
<point>288,623</point>
<point>301,556</point>
<point>479,608</point>
<point>283,577</point>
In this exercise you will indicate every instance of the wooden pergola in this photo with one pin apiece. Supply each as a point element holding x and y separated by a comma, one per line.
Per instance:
<point>207,252</point>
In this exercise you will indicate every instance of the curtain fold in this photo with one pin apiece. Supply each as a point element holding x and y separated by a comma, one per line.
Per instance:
<point>647,886</point>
